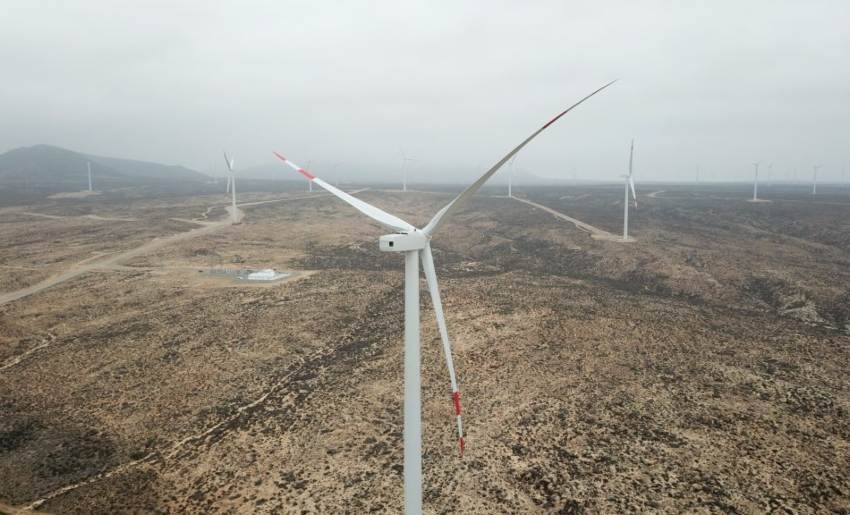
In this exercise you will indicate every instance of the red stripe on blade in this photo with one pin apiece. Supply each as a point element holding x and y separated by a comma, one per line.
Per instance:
<point>456,399</point>
<point>306,174</point>
<point>553,120</point>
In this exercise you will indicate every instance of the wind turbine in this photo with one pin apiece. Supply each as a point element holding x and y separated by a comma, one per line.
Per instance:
<point>404,161</point>
<point>415,244</point>
<point>697,174</point>
<point>629,182</point>
<point>510,177</point>
<point>756,183</point>
<point>232,187</point>
<point>88,164</point>
<point>815,180</point>
<point>335,169</point>
<point>769,174</point>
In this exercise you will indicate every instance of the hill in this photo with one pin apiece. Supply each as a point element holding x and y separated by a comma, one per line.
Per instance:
<point>55,166</point>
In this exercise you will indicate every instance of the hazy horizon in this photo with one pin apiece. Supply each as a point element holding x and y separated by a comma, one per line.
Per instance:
<point>455,85</point>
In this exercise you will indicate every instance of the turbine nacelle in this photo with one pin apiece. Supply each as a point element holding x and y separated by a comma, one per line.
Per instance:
<point>403,242</point>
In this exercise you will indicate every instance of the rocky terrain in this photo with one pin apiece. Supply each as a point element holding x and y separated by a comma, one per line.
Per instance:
<point>702,368</point>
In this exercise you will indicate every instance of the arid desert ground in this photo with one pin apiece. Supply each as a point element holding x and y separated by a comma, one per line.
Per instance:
<point>702,368</point>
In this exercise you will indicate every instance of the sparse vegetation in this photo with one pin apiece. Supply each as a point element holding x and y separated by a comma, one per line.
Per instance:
<point>703,368</point>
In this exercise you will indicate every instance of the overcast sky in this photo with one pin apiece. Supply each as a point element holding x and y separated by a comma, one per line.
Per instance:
<point>458,84</point>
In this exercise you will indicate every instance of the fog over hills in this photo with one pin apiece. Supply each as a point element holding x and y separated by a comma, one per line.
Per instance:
<point>338,172</point>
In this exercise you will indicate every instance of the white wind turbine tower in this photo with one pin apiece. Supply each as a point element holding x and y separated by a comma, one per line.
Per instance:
<point>232,187</point>
<point>415,244</point>
<point>629,183</point>
<point>88,164</point>
<point>404,161</point>
<point>510,177</point>
<point>756,183</point>
<point>815,179</point>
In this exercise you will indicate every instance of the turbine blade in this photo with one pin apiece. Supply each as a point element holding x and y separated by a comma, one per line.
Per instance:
<point>441,215</point>
<point>631,155</point>
<point>431,278</point>
<point>632,184</point>
<point>229,163</point>
<point>384,218</point>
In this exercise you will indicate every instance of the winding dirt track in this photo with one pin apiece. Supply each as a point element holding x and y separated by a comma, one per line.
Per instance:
<point>20,357</point>
<point>86,266</point>
<point>91,217</point>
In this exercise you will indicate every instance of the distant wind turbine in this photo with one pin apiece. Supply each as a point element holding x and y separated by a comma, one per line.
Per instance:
<point>404,160</point>
<point>88,164</point>
<point>416,244</point>
<point>629,182</point>
<point>769,174</point>
<point>756,183</point>
<point>232,184</point>
<point>815,179</point>
<point>510,176</point>
<point>335,169</point>
<point>697,174</point>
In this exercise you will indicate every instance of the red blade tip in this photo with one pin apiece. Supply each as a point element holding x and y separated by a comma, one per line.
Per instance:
<point>306,174</point>
<point>456,399</point>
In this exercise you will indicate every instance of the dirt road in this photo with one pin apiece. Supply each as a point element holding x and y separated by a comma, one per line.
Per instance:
<point>91,217</point>
<point>595,232</point>
<point>86,266</point>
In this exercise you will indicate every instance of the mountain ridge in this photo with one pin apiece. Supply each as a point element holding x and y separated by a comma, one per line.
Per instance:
<point>44,163</point>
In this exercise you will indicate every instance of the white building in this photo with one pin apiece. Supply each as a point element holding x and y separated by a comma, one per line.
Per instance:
<point>267,274</point>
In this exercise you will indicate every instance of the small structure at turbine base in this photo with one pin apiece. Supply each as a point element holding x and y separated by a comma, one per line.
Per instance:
<point>266,274</point>
<point>253,275</point>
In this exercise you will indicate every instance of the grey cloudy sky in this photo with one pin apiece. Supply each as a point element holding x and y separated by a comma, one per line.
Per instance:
<point>457,83</point>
